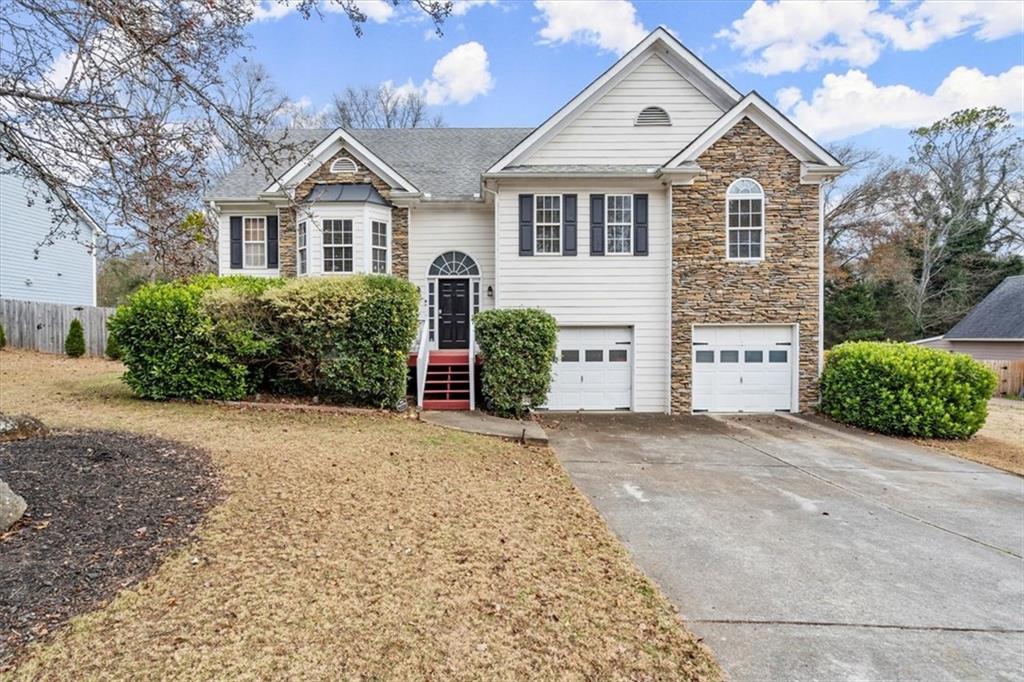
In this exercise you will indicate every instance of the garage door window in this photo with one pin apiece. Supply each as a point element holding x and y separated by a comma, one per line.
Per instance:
<point>729,356</point>
<point>595,356</point>
<point>616,356</point>
<point>705,356</point>
<point>570,356</point>
<point>753,356</point>
<point>777,356</point>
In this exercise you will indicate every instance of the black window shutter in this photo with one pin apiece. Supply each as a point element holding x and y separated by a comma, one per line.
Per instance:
<point>271,241</point>
<point>525,224</point>
<point>236,241</point>
<point>639,224</point>
<point>596,224</point>
<point>568,224</point>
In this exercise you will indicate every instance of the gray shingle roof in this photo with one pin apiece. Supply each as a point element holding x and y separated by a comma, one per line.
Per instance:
<point>1000,315</point>
<point>443,162</point>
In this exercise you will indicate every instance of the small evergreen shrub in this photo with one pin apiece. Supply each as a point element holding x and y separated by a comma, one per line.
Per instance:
<point>112,351</point>
<point>906,390</point>
<point>518,347</point>
<point>3,337</point>
<point>74,343</point>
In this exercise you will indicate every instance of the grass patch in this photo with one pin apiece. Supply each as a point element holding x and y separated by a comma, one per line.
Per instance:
<point>359,547</point>
<point>999,443</point>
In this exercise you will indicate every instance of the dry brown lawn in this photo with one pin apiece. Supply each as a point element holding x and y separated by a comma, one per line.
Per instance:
<point>358,547</point>
<point>1000,443</point>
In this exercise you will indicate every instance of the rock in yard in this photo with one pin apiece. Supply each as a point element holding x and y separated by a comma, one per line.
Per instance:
<point>11,507</point>
<point>19,427</point>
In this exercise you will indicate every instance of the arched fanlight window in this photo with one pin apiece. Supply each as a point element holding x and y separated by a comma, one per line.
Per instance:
<point>653,116</point>
<point>453,264</point>
<point>744,211</point>
<point>344,165</point>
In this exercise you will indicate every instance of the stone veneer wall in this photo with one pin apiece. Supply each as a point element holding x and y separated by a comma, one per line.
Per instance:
<point>399,216</point>
<point>783,288</point>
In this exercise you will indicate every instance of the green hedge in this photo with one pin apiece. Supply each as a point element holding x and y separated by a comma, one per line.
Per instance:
<point>518,347</point>
<point>227,337</point>
<point>906,390</point>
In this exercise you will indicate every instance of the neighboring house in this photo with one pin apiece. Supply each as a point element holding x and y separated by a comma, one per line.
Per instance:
<point>993,329</point>
<point>61,272</point>
<point>671,225</point>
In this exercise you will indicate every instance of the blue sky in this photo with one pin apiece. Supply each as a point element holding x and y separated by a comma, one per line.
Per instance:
<point>854,71</point>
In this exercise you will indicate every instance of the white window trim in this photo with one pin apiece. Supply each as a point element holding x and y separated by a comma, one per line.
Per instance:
<point>386,247</point>
<point>536,224</point>
<point>764,200</point>
<point>247,242</point>
<point>632,222</point>
<point>302,230</point>
<point>324,246</point>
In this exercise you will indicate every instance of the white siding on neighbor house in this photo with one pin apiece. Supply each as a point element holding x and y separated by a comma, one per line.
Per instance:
<point>434,230</point>
<point>598,291</point>
<point>606,132</point>
<point>224,239</point>
<point>65,271</point>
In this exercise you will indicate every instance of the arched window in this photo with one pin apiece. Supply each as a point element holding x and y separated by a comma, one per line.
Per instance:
<point>344,165</point>
<point>453,264</point>
<point>653,116</point>
<point>744,211</point>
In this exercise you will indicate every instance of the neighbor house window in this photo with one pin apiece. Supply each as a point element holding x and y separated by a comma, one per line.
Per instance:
<point>300,239</point>
<point>745,220</point>
<point>619,223</point>
<point>337,246</point>
<point>379,245</point>
<point>254,237</point>
<point>548,224</point>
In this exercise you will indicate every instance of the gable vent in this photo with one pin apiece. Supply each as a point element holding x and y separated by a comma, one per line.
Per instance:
<point>653,116</point>
<point>344,165</point>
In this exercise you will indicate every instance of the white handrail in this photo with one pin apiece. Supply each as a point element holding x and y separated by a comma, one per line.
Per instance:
<point>472,366</point>
<point>422,355</point>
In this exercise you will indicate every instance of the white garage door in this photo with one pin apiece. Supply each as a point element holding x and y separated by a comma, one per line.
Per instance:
<point>593,371</point>
<point>743,368</point>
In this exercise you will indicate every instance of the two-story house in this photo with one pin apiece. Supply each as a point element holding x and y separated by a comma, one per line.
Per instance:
<point>672,226</point>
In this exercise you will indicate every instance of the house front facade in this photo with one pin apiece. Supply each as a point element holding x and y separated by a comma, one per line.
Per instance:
<point>671,225</point>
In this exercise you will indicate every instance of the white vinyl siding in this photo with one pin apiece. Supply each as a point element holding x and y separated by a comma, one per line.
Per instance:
<point>434,230</point>
<point>597,291</point>
<point>64,271</point>
<point>606,132</point>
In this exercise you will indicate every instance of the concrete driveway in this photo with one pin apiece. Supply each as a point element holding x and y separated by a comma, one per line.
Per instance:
<point>800,550</point>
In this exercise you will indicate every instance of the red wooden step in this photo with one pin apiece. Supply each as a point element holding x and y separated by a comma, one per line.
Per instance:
<point>435,404</point>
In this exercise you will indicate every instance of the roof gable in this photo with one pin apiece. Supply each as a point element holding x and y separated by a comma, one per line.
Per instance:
<point>1000,315</point>
<point>659,42</point>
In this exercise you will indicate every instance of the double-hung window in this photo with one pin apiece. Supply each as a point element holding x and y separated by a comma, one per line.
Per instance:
<point>548,224</point>
<point>745,220</point>
<point>618,224</point>
<point>379,247</point>
<point>301,237</point>
<point>254,239</point>
<point>337,245</point>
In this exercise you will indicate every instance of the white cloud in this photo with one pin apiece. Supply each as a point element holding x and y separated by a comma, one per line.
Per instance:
<point>791,35</point>
<point>268,10</point>
<point>378,11</point>
<point>609,24</point>
<point>460,7</point>
<point>459,77</point>
<point>850,103</point>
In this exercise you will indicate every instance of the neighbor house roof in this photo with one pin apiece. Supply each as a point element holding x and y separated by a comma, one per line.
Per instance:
<point>444,163</point>
<point>1000,315</point>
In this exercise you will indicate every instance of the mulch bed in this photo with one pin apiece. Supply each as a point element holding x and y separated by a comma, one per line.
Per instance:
<point>103,509</point>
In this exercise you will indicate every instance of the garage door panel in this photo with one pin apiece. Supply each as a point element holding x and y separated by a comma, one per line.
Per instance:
<point>594,371</point>
<point>742,368</point>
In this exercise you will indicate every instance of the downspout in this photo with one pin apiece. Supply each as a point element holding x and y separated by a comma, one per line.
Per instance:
<point>497,245</point>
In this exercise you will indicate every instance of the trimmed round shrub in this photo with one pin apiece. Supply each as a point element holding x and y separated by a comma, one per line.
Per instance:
<point>906,390</point>
<point>74,343</point>
<point>518,347</point>
<point>347,339</point>
<point>172,347</point>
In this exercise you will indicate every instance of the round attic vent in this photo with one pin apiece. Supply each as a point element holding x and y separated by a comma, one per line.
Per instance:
<point>344,165</point>
<point>653,116</point>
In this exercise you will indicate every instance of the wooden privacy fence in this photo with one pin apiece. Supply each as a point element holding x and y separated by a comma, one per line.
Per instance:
<point>1010,373</point>
<point>44,326</point>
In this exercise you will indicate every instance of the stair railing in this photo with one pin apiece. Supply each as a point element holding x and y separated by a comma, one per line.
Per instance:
<point>422,357</point>
<point>472,366</point>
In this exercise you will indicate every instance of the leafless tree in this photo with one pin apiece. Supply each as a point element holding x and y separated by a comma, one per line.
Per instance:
<point>383,106</point>
<point>117,104</point>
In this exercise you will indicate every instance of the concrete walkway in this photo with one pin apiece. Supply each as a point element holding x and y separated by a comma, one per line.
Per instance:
<point>525,431</point>
<point>807,552</point>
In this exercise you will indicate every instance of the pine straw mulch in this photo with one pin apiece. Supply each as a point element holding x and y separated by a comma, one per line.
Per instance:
<point>103,509</point>
<point>359,547</point>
